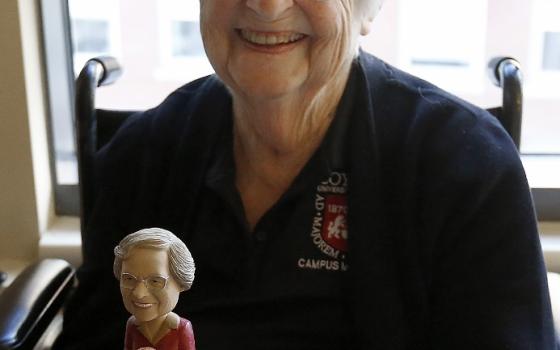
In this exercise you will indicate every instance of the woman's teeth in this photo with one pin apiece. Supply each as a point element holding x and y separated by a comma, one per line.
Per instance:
<point>143,305</point>
<point>270,38</point>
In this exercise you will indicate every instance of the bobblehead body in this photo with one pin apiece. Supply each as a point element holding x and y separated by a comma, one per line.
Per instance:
<point>153,267</point>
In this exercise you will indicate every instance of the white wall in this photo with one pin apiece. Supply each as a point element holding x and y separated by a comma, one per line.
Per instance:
<point>25,190</point>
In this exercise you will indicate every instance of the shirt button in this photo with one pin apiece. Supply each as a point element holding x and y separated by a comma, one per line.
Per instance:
<point>260,236</point>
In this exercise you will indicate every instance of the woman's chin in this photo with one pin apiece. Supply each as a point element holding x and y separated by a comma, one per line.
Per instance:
<point>145,317</point>
<point>271,84</point>
<point>272,89</point>
<point>142,315</point>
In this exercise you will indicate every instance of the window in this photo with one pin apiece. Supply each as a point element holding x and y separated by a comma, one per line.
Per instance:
<point>545,48</point>
<point>551,51</point>
<point>95,30</point>
<point>542,103</point>
<point>186,39</point>
<point>179,42</point>
<point>447,42</point>
<point>90,35</point>
<point>452,58</point>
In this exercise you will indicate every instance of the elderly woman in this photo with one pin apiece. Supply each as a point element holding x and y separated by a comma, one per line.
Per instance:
<point>153,267</point>
<point>330,200</point>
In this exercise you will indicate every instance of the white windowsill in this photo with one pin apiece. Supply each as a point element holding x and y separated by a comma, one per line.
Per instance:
<point>550,241</point>
<point>62,240</point>
<point>543,171</point>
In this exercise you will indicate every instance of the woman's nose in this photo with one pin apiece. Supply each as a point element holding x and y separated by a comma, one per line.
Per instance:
<point>140,291</point>
<point>270,9</point>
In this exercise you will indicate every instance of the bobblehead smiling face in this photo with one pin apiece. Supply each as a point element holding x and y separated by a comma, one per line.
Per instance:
<point>270,48</point>
<point>145,294</point>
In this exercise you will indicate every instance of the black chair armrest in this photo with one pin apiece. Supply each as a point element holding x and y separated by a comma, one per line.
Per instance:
<point>97,72</point>
<point>28,305</point>
<point>505,72</point>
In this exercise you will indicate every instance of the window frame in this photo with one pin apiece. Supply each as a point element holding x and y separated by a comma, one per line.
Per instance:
<point>57,49</point>
<point>547,203</point>
<point>59,63</point>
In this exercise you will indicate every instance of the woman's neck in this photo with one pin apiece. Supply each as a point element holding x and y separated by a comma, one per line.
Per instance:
<point>274,139</point>
<point>288,126</point>
<point>155,329</point>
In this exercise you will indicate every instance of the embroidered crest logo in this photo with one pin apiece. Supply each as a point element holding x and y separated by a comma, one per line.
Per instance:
<point>329,230</point>
<point>334,231</point>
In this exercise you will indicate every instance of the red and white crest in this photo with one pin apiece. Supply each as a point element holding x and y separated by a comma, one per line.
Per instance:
<point>329,230</point>
<point>335,229</point>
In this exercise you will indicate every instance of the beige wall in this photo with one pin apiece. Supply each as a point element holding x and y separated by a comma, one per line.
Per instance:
<point>24,176</point>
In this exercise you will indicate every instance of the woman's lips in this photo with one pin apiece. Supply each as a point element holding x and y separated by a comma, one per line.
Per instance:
<point>270,41</point>
<point>270,38</point>
<point>142,305</point>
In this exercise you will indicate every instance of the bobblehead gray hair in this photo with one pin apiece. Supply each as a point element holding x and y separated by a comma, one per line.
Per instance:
<point>181,263</point>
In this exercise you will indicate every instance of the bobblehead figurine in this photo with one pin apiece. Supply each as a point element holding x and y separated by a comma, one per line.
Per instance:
<point>153,267</point>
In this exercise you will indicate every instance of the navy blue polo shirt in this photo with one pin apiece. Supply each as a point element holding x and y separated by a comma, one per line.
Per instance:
<point>281,286</point>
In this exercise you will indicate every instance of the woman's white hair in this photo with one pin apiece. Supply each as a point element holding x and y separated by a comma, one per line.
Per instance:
<point>181,263</point>
<point>371,7</point>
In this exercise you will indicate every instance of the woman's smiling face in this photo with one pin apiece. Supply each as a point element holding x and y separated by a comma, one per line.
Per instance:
<point>272,48</point>
<point>145,303</point>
